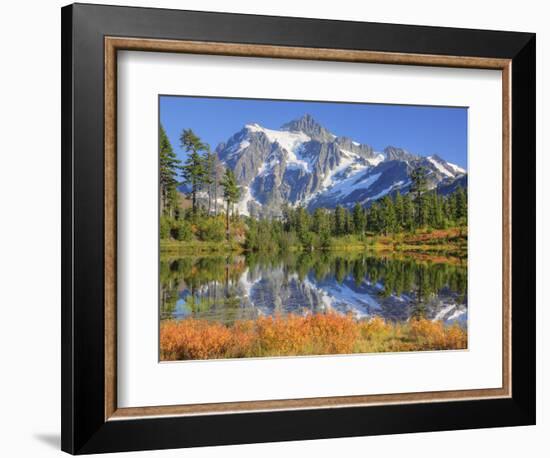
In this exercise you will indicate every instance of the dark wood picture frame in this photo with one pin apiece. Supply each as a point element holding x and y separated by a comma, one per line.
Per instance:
<point>91,37</point>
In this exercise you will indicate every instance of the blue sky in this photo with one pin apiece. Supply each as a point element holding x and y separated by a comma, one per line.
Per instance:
<point>422,130</point>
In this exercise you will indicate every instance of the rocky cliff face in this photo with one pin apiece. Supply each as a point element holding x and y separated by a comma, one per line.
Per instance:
<point>303,163</point>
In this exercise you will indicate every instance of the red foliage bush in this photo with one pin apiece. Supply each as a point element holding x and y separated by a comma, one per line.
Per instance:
<point>293,335</point>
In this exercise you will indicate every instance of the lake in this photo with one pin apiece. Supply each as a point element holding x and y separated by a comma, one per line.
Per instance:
<point>236,287</point>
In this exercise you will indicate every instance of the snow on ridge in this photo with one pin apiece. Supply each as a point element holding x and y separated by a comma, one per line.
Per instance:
<point>296,159</point>
<point>261,171</point>
<point>351,184</point>
<point>236,148</point>
<point>440,167</point>
<point>344,164</point>
<point>348,161</point>
<point>348,153</point>
<point>342,180</point>
<point>242,205</point>
<point>328,178</point>
<point>456,168</point>
<point>383,155</point>
<point>371,161</point>
<point>382,193</point>
<point>376,160</point>
<point>290,141</point>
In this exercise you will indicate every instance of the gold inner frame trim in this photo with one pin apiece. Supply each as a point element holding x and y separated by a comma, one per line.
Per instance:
<point>114,44</point>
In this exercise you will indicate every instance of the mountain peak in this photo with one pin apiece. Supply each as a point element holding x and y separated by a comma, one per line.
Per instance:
<point>437,158</point>
<point>305,120</point>
<point>302,163</point>
<point>393,153</point>
<point>253,126</point>
<point>309,126</point>
<point>445,167</point>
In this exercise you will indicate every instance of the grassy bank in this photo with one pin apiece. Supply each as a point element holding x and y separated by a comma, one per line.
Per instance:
<point>444,245</point>
<point>434,244</point>
<point>196,247</point>
<point>319,334</point>
<point>452,242</point>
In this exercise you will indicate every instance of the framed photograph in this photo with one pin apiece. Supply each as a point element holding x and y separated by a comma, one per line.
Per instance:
<point>281,228</point>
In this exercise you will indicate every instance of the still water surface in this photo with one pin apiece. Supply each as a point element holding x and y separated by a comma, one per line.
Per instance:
<point>228,288</point>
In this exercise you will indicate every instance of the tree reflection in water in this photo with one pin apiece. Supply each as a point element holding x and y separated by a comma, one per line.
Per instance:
<point>228,288</point>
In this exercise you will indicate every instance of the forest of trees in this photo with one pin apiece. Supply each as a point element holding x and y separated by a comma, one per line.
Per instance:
<point>388,216</point>
<point>204,176</point>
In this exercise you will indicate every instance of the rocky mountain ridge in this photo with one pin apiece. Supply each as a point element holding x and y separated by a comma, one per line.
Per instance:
<point>303,163</point>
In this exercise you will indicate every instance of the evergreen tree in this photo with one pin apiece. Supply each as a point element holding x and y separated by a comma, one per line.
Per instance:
<point>389,220</point>
<point>193,170</point>
<point>423,210</point>
<point>373,218</point>
<point>348,222</point>
<point>438,218</point>
<point>209,175</point>
<point>408,213</point>
<point>461,205</point>
<point>321,226</point>
<point>418,188</point>
<point>219,171</point>
<point>302,221</point>
<point>286,211</point>
<point>231,194</point>
<point>359,219</point>
<point>169,164</point>
<point>399,210</point>
<point>450,208</point>
<point>339,220</point>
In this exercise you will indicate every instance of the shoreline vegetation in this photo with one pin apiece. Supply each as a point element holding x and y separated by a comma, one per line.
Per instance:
<point>295,335</point>
<point>421,225</point>
<point>445,245</point>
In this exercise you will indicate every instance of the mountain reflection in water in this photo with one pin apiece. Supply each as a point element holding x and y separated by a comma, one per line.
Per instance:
<point>235,287</point>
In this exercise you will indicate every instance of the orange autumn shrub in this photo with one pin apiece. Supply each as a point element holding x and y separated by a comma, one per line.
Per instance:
<point>193,339</point>
<point>311,334</point>
<point>376,327</point>
<point>292,335</point>
<point>333,333</point>
<point>433,335</point>
<point>285,337</point>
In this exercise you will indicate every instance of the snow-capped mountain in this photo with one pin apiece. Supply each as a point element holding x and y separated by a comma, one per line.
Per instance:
<point>303,163</point>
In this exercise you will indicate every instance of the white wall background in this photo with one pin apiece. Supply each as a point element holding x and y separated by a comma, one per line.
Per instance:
<point>30,227</point>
